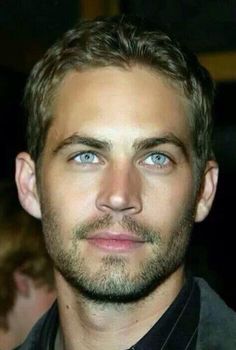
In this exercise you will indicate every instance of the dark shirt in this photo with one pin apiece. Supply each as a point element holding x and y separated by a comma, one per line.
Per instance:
<point>216,327</point>
<point>178,326</point>
<point>176,329</point>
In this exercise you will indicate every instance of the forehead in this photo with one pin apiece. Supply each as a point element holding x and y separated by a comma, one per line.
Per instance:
<point>117,101</point>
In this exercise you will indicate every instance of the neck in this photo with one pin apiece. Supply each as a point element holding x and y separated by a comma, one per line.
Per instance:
<point>8,339</point>
<point>27,309</point>
<point>16,331</point>
<point>89,325</point>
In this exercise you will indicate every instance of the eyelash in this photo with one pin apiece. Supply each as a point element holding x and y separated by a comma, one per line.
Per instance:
<point>72,158</point>
<point>142,162</point>
<point>159,166</point>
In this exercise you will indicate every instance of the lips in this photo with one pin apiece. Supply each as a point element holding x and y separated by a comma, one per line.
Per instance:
<point>115,241</point>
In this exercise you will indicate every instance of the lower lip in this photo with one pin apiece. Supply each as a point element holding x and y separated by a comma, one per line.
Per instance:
<point>116,245</point>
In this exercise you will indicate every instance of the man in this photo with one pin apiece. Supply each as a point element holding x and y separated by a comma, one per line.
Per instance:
<point>26,274</point>
<point>120,166</point>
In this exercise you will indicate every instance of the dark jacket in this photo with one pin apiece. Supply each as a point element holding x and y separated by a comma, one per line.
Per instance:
<point>217,324</point>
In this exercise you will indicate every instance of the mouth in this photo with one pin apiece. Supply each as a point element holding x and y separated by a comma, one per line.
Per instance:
<point>119,242</point>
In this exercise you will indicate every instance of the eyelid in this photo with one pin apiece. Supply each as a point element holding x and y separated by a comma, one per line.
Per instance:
<point>170,160</point>
<point>162,153</point>
<point>79,153</point>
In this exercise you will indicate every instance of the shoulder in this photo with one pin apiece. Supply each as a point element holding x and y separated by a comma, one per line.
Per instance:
<point>217,324</point>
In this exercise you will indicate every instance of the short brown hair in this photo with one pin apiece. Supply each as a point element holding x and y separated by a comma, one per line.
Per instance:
<point>119,41</point>
<point>21,248</point>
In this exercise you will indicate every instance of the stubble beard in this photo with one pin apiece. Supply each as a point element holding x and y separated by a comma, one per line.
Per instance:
<point>112,282</point>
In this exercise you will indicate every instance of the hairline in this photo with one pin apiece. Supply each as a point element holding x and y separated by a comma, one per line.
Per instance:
<point>125,66</point>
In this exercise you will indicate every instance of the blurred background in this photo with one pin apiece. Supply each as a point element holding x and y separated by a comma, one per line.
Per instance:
<point>28,28</point>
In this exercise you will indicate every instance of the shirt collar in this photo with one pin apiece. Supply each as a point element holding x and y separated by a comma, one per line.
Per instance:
<point>177,328</point>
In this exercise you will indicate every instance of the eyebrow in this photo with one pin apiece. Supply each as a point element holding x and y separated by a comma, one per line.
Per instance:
<point>138,145</point>
<point>76,139</point>
<point>169,138</point>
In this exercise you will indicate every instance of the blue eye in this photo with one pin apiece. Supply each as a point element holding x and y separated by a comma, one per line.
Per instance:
<point>158,159</point>
<point>86,158</point>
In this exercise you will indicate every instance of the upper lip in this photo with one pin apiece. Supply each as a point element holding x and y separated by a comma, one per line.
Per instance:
<point>112,235</point>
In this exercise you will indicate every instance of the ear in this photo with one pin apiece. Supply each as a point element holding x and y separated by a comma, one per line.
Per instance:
<point>23,283</point>
<point>25,177</point>
<point>207,190</point>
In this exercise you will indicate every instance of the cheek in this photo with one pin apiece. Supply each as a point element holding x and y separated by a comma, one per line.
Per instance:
<point>72,198</point>
<point>165,203</point>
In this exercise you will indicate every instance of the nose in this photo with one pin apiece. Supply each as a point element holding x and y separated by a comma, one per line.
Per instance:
<point>120,191</point>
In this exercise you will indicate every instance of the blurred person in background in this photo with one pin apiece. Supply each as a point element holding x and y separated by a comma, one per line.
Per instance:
<point>26,276</point>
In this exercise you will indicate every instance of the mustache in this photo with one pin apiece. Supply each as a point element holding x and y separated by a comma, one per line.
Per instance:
<point>142,231</point>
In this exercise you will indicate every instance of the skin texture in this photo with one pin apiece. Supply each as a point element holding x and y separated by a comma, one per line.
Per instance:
<point>96,189</point>
<point>134,180</point>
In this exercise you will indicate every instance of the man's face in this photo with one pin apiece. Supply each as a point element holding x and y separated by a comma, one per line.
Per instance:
<point>116,186</point>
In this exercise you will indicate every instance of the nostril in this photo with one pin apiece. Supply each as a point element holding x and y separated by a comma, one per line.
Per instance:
<point>128,209</point>
<point>120,193</point>
<point>119,207</point>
